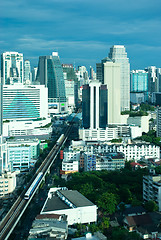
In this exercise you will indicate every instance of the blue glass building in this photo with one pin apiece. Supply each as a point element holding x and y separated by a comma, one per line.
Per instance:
<point>139,81</point>
<point>50,74</point>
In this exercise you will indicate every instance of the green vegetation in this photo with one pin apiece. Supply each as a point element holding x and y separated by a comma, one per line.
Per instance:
<point>151,206</point>
<point>116,140</point>
<point>150,137</point>
<point>125,112</point>
<point>112,187</point>
<point>146,107</point>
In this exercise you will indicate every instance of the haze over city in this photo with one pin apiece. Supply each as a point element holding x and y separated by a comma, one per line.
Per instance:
<point>82,31</point>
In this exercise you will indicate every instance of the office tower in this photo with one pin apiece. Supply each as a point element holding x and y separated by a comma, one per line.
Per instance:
<point>70,72</point>
<point>94,105</point>
<point>50,74</point>
<point>34,74</point>
<point>118,55</point>
<point>25,102</point>
<point>83,73</point>
<point>91,73</point>
<point>138,81</point>
<point>27,72</point>
<point>112,80</point>
<point>100,69</point>
<point>12,67</point>
<point>138,86</point>
<point>71,82</point>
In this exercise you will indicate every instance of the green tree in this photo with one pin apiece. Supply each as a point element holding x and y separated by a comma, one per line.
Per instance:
<point>151,206</point>
<point>107,202</point>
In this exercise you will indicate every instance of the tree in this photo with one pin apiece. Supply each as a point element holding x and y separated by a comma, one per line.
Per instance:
<point>107,202</point>
<point>151,206</point>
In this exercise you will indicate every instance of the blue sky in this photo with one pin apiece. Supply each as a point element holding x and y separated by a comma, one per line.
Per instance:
<point>82,31</point>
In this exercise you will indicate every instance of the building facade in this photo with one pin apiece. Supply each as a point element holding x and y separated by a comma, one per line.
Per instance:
<point>50,74</point>
<point>12,67</point>
<point>152,189</point>
<point>112,80</point>
<point>94,105</point>
<point>118,55</point>
<point>25,101</point>
<point>7,183</point>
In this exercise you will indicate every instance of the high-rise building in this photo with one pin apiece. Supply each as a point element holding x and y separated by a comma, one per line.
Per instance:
<point>138,86</point>
<point>25,101</point>
<point>159,122</point>
<point>27,72</point>
<point>112,80</point>
<point>138,81</point>
<point>50,74</point>
<point>12,67</point>
<point>34,74</point>
<point>94,105</point>
<point>118,55</point>
<point>1,106</point>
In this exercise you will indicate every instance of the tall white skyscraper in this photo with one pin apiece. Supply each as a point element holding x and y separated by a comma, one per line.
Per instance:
<point>12,67</point>
<point>27,72</point>
<point>112,80</point>
<point>118,55</point>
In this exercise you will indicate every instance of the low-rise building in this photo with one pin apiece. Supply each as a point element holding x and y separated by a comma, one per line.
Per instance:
<point>106,161</point>
<point>52,226</point>
<point>71,203</point>
<point>7,183</point>
<point>131,151</point>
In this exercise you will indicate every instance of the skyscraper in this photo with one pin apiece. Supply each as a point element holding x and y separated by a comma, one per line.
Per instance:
<point>112,80</point>
<point>27,72</point>
<point>94,105</point>
<point>118,55</point>
<point>50,74</point>
<point>12,67</point>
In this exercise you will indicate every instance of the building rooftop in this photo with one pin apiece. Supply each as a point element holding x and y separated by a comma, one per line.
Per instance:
<point>56,203</point>
<point>76,198</point>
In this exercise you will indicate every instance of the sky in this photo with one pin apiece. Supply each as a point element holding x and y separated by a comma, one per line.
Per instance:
<point>82,31</point>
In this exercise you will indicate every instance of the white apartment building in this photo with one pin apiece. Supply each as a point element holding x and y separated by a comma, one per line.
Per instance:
<point>131,151</point>
<point>7,183</point>
<point>19,158</point>
<point>152,189</point>
<point>98,134</point>
<point>73,204</point>
<point>25,102</point>
<point>70,166</point>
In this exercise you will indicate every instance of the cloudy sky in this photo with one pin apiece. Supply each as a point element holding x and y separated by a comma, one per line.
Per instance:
<point>82,31</point>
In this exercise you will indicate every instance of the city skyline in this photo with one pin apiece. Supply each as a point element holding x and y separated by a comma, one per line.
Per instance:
<point>82,32</point>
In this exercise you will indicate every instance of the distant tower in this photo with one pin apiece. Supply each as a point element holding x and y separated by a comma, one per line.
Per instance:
<point>50,74</point>
<point>91,73</point>
<point>118,55</point>
<point>27,71</point>
<point>112,80</point>
<point>34,74</point>
<point>12,67</point>
<point>94,105</point>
